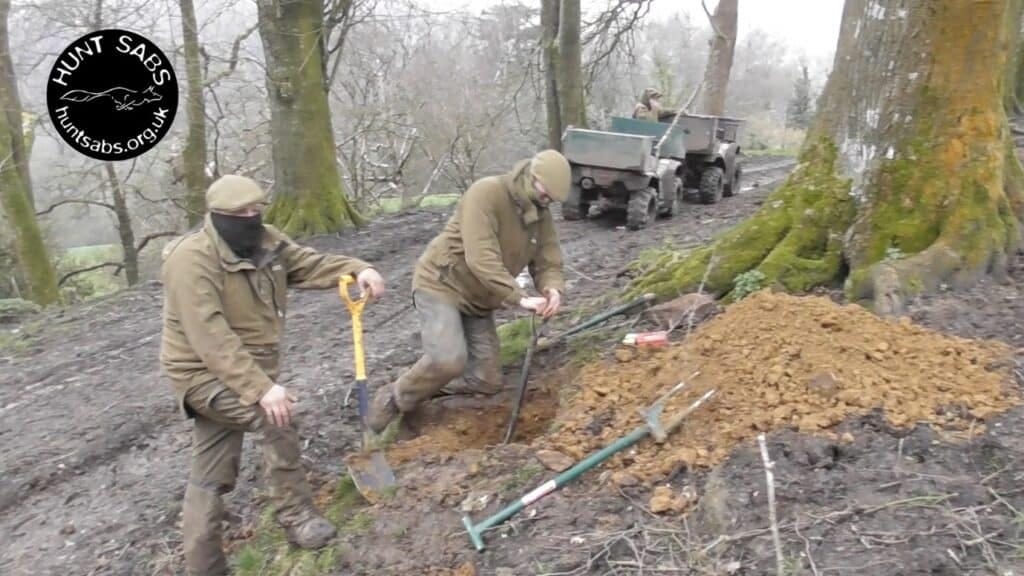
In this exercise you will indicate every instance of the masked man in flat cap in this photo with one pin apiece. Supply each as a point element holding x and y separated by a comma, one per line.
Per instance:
<point>500,225</point>
<point>225,288</point>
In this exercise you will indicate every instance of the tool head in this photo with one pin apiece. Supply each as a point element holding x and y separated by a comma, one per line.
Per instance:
<point>371,474</point>
<point>652,415</point>
<point>474,533</point>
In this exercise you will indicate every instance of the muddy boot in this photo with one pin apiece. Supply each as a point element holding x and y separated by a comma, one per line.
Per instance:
<point>312,532</point>
<point>382,410</point>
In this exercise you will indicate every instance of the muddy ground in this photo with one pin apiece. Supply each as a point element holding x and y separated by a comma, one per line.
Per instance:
<point>95,457</point>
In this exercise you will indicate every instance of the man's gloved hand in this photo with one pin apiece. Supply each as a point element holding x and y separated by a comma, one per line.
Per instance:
<point>277,403</point>
<point>370,283</point>
<point>535,304</point>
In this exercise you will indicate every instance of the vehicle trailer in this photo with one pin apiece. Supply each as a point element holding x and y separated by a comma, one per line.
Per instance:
<point>619,172</point>
<point>713,154</point>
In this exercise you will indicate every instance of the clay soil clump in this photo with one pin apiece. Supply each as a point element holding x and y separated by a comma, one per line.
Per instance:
<point>779,361</point>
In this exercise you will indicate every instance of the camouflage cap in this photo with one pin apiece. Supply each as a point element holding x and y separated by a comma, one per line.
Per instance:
<point>231,192</point>
<point>553,171</point>
<point>651,93</point>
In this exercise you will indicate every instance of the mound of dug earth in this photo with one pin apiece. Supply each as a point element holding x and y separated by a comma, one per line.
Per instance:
<point>781,361</point>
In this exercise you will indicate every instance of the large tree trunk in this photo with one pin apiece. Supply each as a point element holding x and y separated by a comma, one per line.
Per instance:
<point>16,183</point>
<point>124,226</point>
<point>195,146</point>
<point>719,66</point>
<point>570,66</point>
<point>308,194</point>
<point>907,178</point>
<point>549,39</point>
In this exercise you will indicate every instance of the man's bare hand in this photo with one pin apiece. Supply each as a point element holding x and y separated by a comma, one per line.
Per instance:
<point>277,403</point>
<point>554,302</point>
<point>371,283</point>
<point>534,304</point>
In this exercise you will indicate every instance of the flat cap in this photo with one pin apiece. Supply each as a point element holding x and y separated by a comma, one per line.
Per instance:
<point>553,171</point>
<point>231,192</point>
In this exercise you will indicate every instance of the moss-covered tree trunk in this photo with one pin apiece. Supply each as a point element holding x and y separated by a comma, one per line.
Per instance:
<point>549,40</point>
<point>195,145</point>
<point>570,66</point>
<point>16,184</point>
<point>719,66</point>
<point>907,179</point>
<point>308,193</point>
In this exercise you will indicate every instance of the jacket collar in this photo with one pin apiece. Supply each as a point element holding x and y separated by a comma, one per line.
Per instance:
<point>230,261</point>
<point>515,184</point>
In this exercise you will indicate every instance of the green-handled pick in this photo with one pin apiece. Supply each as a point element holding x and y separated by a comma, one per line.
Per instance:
<point>652,425</point>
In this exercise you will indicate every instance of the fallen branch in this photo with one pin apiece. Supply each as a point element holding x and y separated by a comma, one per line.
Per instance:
<point>73,273</point>
<point>780,563</point>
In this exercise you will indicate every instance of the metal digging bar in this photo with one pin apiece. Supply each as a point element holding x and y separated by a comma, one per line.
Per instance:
<point>544,342</point>
<point>523,376</point>
<point>652,426</point>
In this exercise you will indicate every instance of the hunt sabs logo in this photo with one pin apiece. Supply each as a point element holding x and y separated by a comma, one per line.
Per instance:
<point>112,95</point>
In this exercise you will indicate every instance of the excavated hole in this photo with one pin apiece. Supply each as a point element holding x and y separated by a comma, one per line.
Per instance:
<point>448,425</point>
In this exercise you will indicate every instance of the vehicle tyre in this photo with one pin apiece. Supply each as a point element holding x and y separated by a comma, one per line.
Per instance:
<point>668,193</point>
<point>712,184</point>
<point>734,187</point>
<point>642,208</point>
<point>574,208</point>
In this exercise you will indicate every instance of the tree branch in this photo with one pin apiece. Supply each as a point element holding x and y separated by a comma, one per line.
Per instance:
<point>75,201</point>
<point>232,60</point>
<point>711,19</point>
<point>146,239</point>
<point>73,273</point>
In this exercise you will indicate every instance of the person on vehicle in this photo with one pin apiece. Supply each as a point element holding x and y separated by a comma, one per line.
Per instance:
<point>649,107</point>
<point>225,288</point>
<point>501,224</point>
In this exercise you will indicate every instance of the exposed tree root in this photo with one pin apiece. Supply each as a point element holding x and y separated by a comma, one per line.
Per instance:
<point>307,215</point>
<point>795,239</point>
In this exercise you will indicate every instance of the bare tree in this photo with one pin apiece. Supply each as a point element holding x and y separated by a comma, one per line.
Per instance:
<point>723,46</point>
<point>194,154</point>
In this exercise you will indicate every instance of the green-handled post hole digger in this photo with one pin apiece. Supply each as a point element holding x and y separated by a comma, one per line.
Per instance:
<point>653,426</point>
<point>370,471</point>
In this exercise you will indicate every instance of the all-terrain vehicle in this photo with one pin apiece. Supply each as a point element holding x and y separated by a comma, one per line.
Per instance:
<point>713,162</point>
<point>621,172</point>
<point>648,168</point>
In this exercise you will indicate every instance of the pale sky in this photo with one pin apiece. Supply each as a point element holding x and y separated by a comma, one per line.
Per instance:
<point>811,26</point>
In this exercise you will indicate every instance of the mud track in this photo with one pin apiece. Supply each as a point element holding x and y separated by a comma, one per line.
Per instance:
<point>95,456</point>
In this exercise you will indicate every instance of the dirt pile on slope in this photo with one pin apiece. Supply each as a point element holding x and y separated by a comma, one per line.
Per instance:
<point>781,361</point>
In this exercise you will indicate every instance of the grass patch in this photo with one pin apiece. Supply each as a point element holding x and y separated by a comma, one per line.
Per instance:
<point>270,554</point>
<point>21,338</point>
<point>93,284</point>
<point>522,477</point>
<point>515,338</point>
<point>394,205</point>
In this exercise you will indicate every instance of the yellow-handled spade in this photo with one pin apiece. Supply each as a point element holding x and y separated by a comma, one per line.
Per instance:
<point>370,473</point>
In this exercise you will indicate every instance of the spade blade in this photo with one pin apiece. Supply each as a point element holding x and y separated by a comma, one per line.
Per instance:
<point>371,474</point>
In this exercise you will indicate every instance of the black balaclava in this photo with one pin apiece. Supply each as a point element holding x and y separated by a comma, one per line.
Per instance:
<point>242,233</point>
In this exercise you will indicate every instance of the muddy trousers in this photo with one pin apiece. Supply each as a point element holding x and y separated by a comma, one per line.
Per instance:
<point>220,424</point>
<point>460,355</point>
